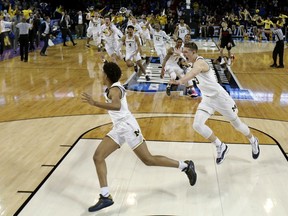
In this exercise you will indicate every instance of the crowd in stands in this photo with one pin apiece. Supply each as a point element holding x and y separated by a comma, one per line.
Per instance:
<point>240,15</point>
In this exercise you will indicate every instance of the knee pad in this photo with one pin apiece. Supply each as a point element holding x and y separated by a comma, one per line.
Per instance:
<point>240,126</point>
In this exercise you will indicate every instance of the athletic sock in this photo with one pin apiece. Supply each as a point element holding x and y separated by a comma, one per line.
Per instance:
<point>105,191</point>
<point>182,165</point>
<point>217,142</point>
<point>252,139</point>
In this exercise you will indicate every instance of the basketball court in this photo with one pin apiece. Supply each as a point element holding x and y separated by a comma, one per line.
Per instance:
<point>236,187</point>
<point>48,137</point>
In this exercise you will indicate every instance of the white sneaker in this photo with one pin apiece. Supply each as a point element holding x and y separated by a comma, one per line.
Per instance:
<point>222,151</point>
<point>192,92</point>
<point>222,61</point>
<point>255,148</point>
<point>229,61</point>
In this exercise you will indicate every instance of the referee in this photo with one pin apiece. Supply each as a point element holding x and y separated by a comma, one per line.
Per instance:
<point>279,48</point>
<point>24,27</point>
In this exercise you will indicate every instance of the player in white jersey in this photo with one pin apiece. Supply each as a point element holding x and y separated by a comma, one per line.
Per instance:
<point>184,64</point>
<point>214,98</point>
<point>125,129</point>
<point>146,38</point>
<point>145,35</point>
<point>133,50</point>
<point>171,66</point>
<point>111,36</point>
<point>181,30</point>
<point>94,30</point>
<point>159,40</point>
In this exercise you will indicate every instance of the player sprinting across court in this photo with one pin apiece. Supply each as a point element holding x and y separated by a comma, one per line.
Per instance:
<point>181,30</point>
<point>146,37</point>
<point>133,50</point>
<point>111,36</point>
<point>159,40</point>
<point>214,98</point>
<point>125,129</point>
<point>94,30</point>
<point>170,65</point>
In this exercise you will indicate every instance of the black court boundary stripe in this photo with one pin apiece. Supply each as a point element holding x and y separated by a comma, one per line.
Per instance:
<point>74,144</point>
<point>48,175</point>
<point>159,140</point>
<point>276,142</point>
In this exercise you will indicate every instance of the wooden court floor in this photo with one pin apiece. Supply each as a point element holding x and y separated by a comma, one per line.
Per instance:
<point>42,115</point>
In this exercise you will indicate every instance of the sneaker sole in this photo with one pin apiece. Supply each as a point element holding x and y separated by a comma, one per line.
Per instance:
<point>91,209</point>
<point>255,156</point>
<point>195,174</point>
<point>224,156</point>
<point>192,167</point>
<point>168,92</point>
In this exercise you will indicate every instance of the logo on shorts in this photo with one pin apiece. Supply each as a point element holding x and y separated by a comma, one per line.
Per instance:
<point>234,108</point>
<point>137,133</point>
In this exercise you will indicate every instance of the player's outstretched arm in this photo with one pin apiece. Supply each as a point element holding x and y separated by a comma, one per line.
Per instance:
<point>114,94</point>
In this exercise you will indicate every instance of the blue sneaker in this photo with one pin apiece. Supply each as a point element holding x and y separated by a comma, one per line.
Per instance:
<point>190,172</point>
<point>102,203</point>
<point>222,151</point>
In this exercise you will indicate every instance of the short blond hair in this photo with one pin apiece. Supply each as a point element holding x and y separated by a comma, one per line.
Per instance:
<point>192,46</point>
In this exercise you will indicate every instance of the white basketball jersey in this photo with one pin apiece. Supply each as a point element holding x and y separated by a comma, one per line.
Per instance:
<point>207,82</point>
<point>158,38</point>
<point>182,31</point>
<point>95,23</point>
<point>124,111</point>
<point>110,33</point>
<point>174,58</point>
<point>131,45</point>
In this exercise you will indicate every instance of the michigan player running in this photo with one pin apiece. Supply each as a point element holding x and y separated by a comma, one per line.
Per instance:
<point>181,30</point>
<point>171,66</point>
<point>125,130</point>
<point>111,36</point>
<point>159,40</point>
<point>214,98</point>
<point>94,30</point>
<point>133,50</point>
